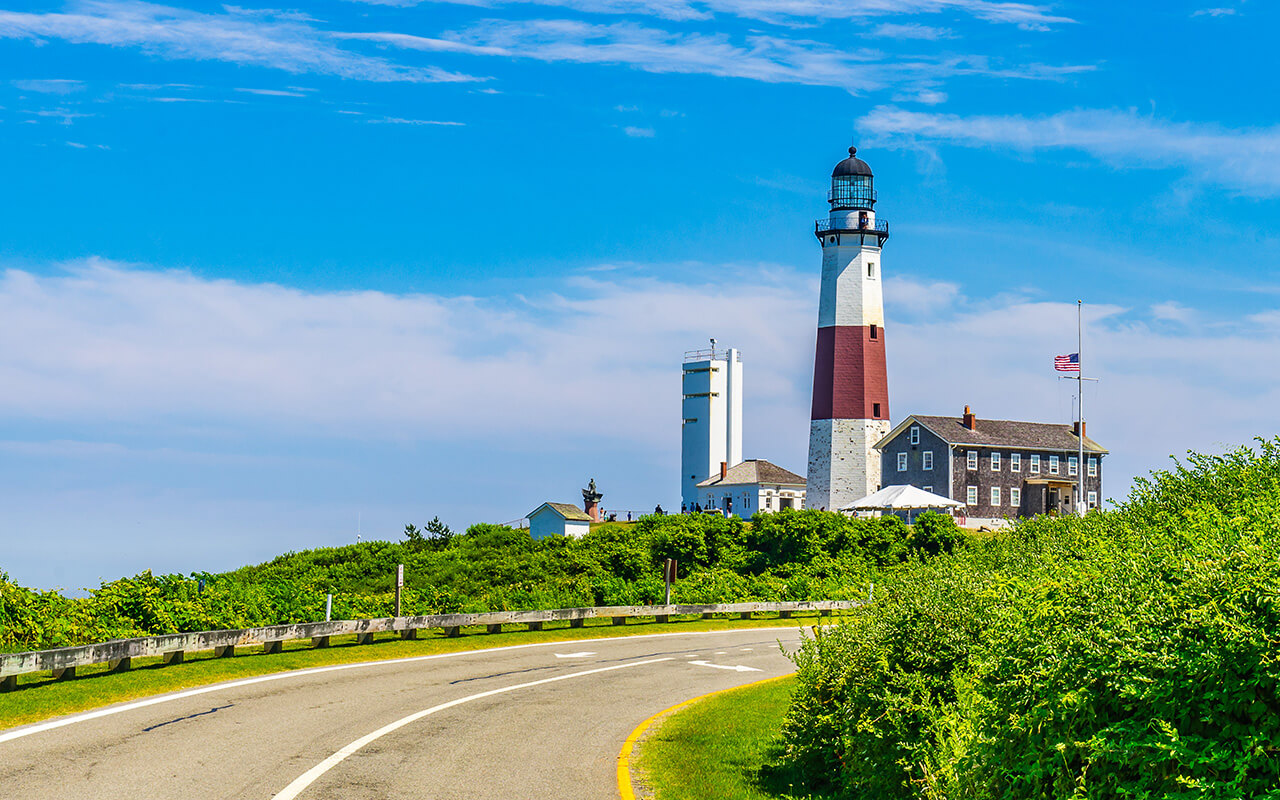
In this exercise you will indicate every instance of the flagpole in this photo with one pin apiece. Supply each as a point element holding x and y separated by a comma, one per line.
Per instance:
<point>1080,470</point>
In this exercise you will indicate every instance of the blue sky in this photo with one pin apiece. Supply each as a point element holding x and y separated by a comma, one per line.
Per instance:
<point>267,271</point>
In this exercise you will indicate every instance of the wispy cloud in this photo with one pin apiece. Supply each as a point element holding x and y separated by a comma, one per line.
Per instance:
<point>50,85</point>
<point>638,133</point>
<point>1215,12</point>
<point>403,121</point>
<point>911,30</point>
<point>278,41</point>
<point>272,92</point>
<point>761,57</point>
<point>1246,160</point>
<point>791,12</point>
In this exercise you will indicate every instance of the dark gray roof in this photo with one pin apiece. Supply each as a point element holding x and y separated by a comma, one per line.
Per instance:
<point>1008,433</point>
<point>851,166</point>
<point>566,510</point>
<point>755,470</point>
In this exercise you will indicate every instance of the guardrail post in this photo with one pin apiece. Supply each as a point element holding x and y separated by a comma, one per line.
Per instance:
<point>64,674</point>
<point>826,612</point>
<point>745,615</point>
<point>662,618</point>
<point>619,620</point>
<point>272,648</point>
<point>452,631</point>
<point>708,615</point>
<point>409,633</point>
<point>8,683</point>
<point>535,626</point>
<point>120,664</point>
<point>226,651</point>
<point>319,641</point>
<point>175,657</point>
<point>784,615</point>
<point>497,628</point>
<point>364,638</point>
<point>576,622</point>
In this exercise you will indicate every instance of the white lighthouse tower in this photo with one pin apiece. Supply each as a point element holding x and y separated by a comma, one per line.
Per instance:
<point>850,379</point>
<point>711,432</point>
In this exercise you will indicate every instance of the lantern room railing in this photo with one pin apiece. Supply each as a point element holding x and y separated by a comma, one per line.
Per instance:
<point>880,226</point>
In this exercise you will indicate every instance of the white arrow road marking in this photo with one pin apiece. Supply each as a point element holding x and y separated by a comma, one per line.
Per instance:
<point>310,776</point>
<point>583,654</point>
<point>738,668</point>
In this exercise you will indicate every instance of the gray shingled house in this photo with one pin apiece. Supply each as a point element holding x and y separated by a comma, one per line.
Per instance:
<point>998,468</point>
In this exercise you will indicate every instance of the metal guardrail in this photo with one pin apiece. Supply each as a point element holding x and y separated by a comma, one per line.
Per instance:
<point>119,653</point>
<point>872,226</point>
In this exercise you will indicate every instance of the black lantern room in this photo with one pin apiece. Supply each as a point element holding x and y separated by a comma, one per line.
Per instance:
<point>852,185</point>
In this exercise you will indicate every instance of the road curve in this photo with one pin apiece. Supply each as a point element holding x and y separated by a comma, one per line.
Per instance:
<point>517,723</point>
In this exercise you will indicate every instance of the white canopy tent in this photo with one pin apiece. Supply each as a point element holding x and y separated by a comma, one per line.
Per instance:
<point>902,498</point>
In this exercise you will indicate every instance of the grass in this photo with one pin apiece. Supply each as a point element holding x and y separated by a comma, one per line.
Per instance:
<point>39,697</point>
<point>714,749</point>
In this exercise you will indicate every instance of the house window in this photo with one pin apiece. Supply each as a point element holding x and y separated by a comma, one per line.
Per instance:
<point>1073,466</point>
<point>875,410</point>
<point>915,434</point>
<point>973,459</point>
<point>995,462</point>
<point>1015,498</point>
<point>875,332</point>
<point>902,462</point>
<point>1053,465</point>
<point>928,459</point>
<point>1093,499</point>
<point>995,495</point>
<point>928,488</point>
<point>1015,462</point>
<point>971,495</point>
<point>1035,462</point>
<point>1093,467</point>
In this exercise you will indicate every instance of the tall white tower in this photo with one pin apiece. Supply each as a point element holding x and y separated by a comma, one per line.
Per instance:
<point>850,378</point>
<point>711,433</point>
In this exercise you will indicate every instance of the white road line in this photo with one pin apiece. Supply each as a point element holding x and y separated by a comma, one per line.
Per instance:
<point>18,733</point>
<point>583,654</point>
<point>310,776</point>
<point>736,668</point>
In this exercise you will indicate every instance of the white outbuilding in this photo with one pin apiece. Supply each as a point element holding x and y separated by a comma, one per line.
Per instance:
<point>754,485</point>
<point>901,498</point>
<point>558,519</point>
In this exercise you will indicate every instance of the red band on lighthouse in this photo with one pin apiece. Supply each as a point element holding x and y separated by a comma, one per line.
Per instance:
<point>849,374</point>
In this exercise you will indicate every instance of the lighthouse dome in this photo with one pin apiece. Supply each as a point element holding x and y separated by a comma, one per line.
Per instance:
<point>851,166</point>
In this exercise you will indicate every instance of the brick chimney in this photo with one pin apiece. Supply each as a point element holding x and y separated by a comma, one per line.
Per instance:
<point>970,421</point>
<point>1078,426</point>
<point>724,470</point>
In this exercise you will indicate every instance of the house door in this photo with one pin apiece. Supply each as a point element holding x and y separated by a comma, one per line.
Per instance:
<point>1051,504</point>
<point>785,502</point>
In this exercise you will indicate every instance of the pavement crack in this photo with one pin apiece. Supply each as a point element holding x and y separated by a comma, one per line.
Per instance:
<point>189,716</point>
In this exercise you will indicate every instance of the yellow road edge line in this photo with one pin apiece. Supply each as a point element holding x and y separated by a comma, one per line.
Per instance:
<point>625,789</point>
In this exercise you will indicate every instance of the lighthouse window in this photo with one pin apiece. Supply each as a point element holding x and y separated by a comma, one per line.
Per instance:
<point>871,269</point>
<point>875,334</point>
<point>875,410</point>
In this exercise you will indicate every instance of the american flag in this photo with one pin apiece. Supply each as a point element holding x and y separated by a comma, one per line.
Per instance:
<point>1067,363</point>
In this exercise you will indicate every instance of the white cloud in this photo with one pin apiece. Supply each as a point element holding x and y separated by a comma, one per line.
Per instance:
<point>626,109</point>
<point>638,133</point>
<point>403,121</point>
<point>760,57</point>
<point>77,145</point>
<point>791,12</point>
<point>1172,311</point>
<point>282,42</point>
<point>1247,160</point>
<point>912,30</point>
<point>50,85</point>
<point>929,97</point>
<point>1215,12</point>
<point>272,92</point>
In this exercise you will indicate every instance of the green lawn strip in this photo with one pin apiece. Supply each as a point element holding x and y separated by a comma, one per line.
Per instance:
<point>714,748</point>
<point>39,697</point>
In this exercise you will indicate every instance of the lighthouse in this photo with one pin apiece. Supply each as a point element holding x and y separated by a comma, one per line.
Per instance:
<point>850,382</point>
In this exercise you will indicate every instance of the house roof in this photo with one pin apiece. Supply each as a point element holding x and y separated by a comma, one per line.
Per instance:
<point>754,470</point>
<point>566,510</point>
<point>1000,433</point>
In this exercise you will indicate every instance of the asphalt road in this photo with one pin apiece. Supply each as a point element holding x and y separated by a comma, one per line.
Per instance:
<point>541,721</point>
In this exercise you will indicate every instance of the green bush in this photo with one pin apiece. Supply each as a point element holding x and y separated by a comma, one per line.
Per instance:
<point>1125,654</point>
